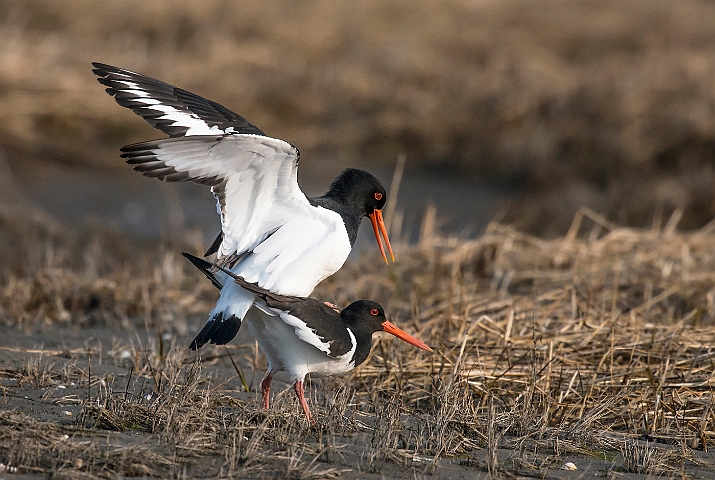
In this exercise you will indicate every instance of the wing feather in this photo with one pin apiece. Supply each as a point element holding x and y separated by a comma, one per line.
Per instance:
<point>254,180</point>
<point>324,332</point>
<point>172,110</point>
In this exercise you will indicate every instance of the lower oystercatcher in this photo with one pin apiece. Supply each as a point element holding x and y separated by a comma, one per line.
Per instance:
<point>303,335</point>
<point>272,234</point>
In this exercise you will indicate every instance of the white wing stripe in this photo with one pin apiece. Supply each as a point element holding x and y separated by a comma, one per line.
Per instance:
<point>352,350</point>
<point>192,121</point>
<point>305,333</point>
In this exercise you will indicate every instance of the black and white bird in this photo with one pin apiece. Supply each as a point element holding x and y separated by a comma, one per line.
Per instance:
<point>272,234</point>
<point>303,335</point>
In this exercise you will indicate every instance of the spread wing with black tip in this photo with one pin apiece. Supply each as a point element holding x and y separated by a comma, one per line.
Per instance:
<point>253,178</point>
<point>170,109</point>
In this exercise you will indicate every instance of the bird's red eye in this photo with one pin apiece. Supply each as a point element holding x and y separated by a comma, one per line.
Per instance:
<point>378,196</point>
<point>374,311</point>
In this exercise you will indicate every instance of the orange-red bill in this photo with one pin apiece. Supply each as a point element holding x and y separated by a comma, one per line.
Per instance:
<point>402,335</point>
<point>378,226</point>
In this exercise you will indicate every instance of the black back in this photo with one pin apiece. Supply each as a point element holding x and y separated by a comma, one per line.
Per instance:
<point>330,325</point>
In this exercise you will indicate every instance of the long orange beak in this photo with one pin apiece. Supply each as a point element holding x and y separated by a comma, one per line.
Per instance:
<point>402,335</point>
<point>376,219</point>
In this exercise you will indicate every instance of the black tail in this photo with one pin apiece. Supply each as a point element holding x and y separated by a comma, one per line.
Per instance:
<point>215,246</point>
<point>205,268</point>
<point>218,331</point>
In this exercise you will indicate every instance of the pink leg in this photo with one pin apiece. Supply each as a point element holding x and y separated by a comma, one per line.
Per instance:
<point>266,389</point>
<point>301,397</point>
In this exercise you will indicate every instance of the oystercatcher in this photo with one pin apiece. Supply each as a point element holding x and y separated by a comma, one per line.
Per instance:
<point>303,335</point>
<point>272,234</point>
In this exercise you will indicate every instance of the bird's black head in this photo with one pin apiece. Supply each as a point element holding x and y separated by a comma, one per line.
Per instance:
<point>360,189</point>
<point>363,194</point>
<point>365,317</point>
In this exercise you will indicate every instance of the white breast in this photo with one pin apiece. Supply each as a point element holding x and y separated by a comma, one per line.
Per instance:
<point>299,255</point>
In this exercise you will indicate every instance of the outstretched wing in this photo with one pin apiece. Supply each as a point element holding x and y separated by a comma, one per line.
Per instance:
<point>172,110</point>
<point>254,180</point>
<point>292,244</point>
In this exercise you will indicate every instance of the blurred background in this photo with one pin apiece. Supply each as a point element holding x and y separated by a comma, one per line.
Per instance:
<point>513,110</point>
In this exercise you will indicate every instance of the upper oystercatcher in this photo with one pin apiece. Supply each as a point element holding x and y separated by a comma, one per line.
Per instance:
<point>272,234</point>
<point>303,335</point>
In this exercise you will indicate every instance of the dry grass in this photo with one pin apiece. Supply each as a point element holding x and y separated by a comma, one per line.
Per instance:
<point>54,275</point>
<point>547,348</point>
<point>645,458</point>
<point>194,427</point>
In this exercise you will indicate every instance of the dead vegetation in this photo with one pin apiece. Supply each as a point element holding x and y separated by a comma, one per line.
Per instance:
<point>595,345</point>
<point>53,275</point>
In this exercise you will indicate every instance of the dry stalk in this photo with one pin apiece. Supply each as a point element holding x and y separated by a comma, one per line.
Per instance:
<point>645,458</point>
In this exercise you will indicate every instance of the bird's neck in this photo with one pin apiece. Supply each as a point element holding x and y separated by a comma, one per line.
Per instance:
<point>361,331</point>
<point>362,350</point>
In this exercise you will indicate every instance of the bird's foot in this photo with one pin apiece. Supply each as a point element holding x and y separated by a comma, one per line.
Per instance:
<point>266,390</point>
<point>301,397</point>
<point>333,306</point>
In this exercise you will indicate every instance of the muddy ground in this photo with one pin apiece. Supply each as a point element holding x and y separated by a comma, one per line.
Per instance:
<point>46,399</point>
